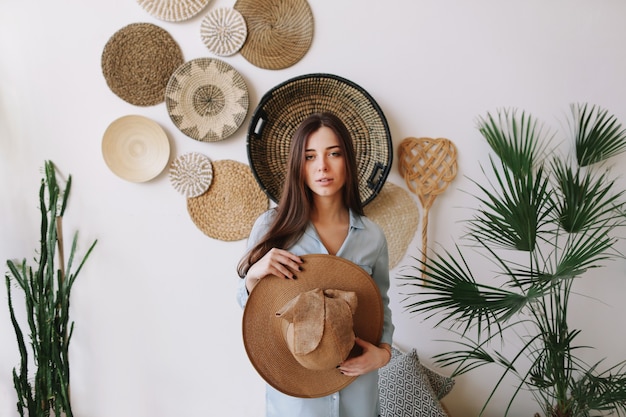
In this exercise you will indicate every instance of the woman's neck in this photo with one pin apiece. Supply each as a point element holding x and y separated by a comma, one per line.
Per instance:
<point>327,211</point>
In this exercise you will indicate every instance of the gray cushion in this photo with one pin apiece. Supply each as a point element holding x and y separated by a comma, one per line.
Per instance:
<point>408,389</point>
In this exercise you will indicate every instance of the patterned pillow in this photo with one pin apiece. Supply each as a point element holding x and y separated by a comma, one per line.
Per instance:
<point>405,389</point>
<point>442,385</point>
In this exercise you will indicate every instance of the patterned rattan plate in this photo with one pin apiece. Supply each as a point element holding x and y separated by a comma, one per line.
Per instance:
<point>223,31</point>
<point>173,10</point>
<point>207,99</point>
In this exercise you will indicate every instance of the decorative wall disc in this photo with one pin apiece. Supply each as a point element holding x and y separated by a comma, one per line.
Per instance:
<point>207,99</point>
<point>280,32</point>
<point>397,213</point>
<point>173,10</point>
<point>223,31</point>
<point>191,174</point>
<point>231,205</point>
<point>135,148</point>
<point>138,61</point>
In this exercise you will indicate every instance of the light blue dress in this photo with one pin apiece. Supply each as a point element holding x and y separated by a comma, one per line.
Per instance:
<point>365,246</point>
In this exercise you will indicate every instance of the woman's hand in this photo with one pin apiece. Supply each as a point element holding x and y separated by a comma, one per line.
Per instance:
<point>278,262</point>
<point>372,358</point>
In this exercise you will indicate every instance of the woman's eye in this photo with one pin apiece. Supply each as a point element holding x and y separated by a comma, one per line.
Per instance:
<point>309,157</point>
<point>335,154</point>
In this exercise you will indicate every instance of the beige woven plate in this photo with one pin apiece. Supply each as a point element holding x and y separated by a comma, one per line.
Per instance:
<point>137,63</point>
<point>207,99</point>
<point>135,148</point>
<point>191,174</point>
<point>173,10</point>
<point>397,213</point>
<point>280,32</point>
<point>223,31</point>
<point>233,202</point>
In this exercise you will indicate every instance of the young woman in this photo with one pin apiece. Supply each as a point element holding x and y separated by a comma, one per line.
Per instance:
<point>320,211</point>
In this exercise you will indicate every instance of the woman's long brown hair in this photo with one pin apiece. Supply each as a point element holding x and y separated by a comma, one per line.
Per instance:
<point>293,211</point>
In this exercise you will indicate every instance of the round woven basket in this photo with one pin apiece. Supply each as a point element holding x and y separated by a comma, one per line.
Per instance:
<point>280,32</point>
<point>281,110</point>
<point>228,209</point>
<point>173,10</point>
<point>207,99</point>
<point>397,213</point>
<point>137,63</point>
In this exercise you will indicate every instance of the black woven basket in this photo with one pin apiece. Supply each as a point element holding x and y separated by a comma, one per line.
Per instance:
<point>281,110</point>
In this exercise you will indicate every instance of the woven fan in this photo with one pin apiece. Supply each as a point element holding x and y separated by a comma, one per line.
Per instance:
<point>428,167</point>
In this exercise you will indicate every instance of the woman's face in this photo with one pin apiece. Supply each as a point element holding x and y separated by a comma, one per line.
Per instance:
<point>325,168</point>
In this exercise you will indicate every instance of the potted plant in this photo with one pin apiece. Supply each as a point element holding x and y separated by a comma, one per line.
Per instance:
<point>543,220</point>
<point>47,288</point>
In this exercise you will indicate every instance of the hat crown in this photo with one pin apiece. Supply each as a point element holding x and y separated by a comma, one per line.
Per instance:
<point>318,327</point>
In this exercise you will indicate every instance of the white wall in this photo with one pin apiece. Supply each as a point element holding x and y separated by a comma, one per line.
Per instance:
<point>157,326</point>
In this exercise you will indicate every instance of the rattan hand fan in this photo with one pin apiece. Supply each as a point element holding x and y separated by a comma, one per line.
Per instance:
<point>428,166</point>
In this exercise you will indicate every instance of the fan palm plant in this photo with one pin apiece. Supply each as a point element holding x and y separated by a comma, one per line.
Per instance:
<point>543,220</point>
<point>47,292</point>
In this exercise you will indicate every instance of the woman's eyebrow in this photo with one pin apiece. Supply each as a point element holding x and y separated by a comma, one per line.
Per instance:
<point>328,148</point>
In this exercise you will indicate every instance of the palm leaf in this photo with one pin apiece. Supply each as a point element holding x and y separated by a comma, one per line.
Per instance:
<point>449,289</point>
<point>519,142</point>
<point>585,200</point>
<point>513,213</point>
<point>598,134</point>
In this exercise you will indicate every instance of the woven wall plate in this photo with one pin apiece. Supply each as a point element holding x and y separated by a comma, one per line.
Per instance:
<point>135,148</point>
<point>223,31</point>
<point>137,63</point>
<point>191,174</point>
<point>173,10</point>
<point>231,205</point>
<point>207,99</point>
<point>280,32</point>
<point>281,110</point>
<point>397,213</point>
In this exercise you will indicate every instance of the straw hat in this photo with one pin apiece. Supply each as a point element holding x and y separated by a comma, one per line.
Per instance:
<point>280,32</point>
<point>281,110</point>
<point>173,10</point>
<point>135,148</point>
<point>228,209</point>
<point>263,332</point>
<point>137,63</point>
<point>207,99</point>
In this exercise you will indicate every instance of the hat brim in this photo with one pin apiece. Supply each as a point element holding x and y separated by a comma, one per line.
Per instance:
<point>262,330</point>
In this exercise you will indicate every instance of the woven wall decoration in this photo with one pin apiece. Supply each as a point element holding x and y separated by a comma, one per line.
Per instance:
<point>207,99</point>
<point>135,148</point>
<point>223,31</point>
<point>191,174</point>
<point>397,213</point>
<point>280,32</point>
<point>231,205</point>
<point>137,63</point>
<point>428,167</point>
<point>281,110</point>
<point>173,10</point>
